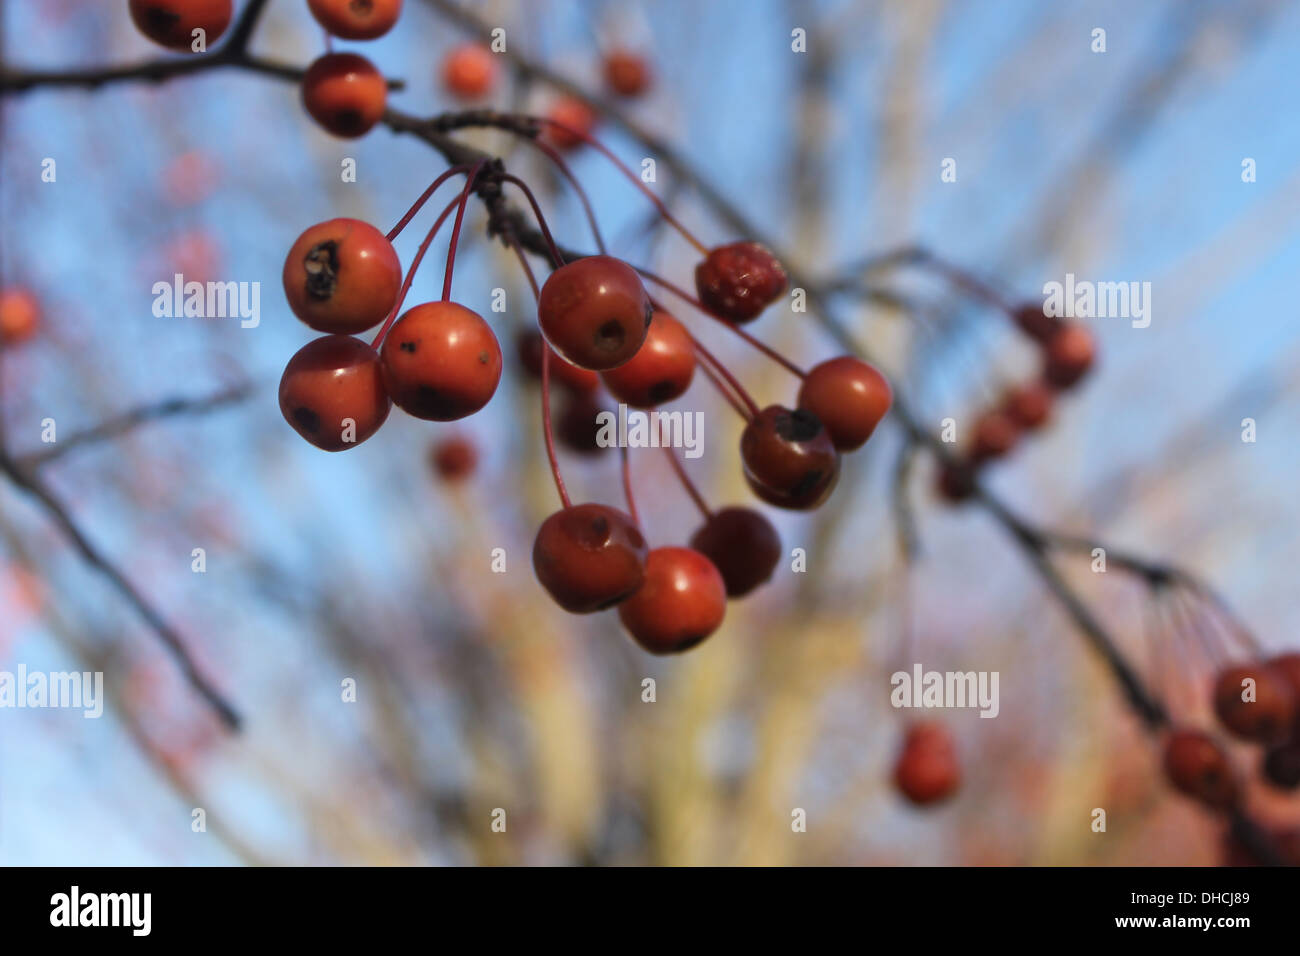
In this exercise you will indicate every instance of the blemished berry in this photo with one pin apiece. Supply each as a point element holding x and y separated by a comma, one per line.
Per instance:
<point>342,276</point>
<point>576,427</point>
<point>575,117</point>
<point>20,316</point>
<point>956,481</point>
<point>996,433</point>
<point>356,19</point>
<point>454,458</point>
<point>589,557</point>
<point>662,368</point>
<point>1198,767</point>
<point>528,345</point>
<point>1282,765</point>
<point>595,312</point>
<point>743,546</point>
<point>1030,406</point>
<point>171,23</point>
<point>927,770</point>
<point>1267,718</point>
<point>1070,353</point>
<point>849,397</point>
<point>441,362</point>
<point>789,458</point>
<point>627,73</point>
<point>682,601</point>
<point>740,280</point>
<point>469,72</point>
<point>1035,323</point>
<point>345,94</point>
<point>332,392</point>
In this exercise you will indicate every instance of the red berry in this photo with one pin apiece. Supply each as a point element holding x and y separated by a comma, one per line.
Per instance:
<point>342,276</point>
<point>1029,406</point>
<point>171,23</point>
<point>927,770</point>
<point>576,427</point>
<point>529,346</point>
<point>20,316</point>
<point>627,73</point>
<point>328,382</point>
<point>345,94</point>
<point>849,397</point>
<point>1282,765</point>
<point>996,434</point>
<point>589,557</point>
<point>740,280</point>
<point>1269,716</point>
<point>454,458</point>
<point>1288,666</point>
<point>742,544</point>
<point>595,312</point>
<point>356,19</point>
<point>789,458</point>
<point>469,72</point>
<point>575,117</point>
<point>682,602</point>
<point>956,481</point>
<point>1070,354</point>
<point>1035,323</point>
<point>1197,766</point>
<point>660,371</point>
<point>441,362</point>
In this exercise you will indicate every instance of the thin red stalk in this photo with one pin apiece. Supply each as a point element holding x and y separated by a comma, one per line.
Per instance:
<point>725,392</point>
<point>699,306</point>
<point>410,275</point>
<point>731,379</point>
<point>627,485</point>
<point>558,160</point>
<point>455,229</point>
<point>556,255</point>
<point>689,485</point>
<point>419,203</point>
<point>632,178</point>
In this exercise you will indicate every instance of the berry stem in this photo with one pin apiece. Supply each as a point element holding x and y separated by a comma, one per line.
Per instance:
<point>410,274</point>
<point>631,177</point>
<point>419,203</point>
<point>699,306</point>
<point>556,255</point>
<point>627,485</point>
<point>558,160</point>
<point>455,229</point>
<point>723,390</point>
<point>689,485</point>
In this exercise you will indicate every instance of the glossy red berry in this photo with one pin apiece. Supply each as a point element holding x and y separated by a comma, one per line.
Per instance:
<point>576,120</point>
<point>589,557</point>
<point>996,433</point>
<point>1035,323</point>
<point>20,316</point>
<point>595,312</point>
<point>441,362</point>
<point>1029,406</point>
<point>345,94</point>
<point>1268,716</point>
<point>1282,765</point>
<point>849,397</point>
<point>332,392</point>
<point>927,770</point>
<point>454,458</point>
<point>342,276</point>
<point>1197,766</point>
<point>682,602</point>
<point>740,280</point>
<point>1288,667</point>
<point>528,345</point>
<point>627,73</point>
<point>743,546</point>
<point>356,19</point>
<point>171,23</point>
<point>789,458</point>
<point>469,72</point>
<point>660,371</point>
<point>1070,354</point>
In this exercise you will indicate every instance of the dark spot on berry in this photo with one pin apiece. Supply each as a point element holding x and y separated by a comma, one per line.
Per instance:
<point>306,419</point>
<point>799,425</point>
<point>649,314</point>
<point>594,533</point>
<point>609,337</point>
<point>661,391</point>
<point>362,8</point>
<point>322,267</point>
<point>349,121</point>
<point>809,481</point>
<point>484,357</point>
<point>409,346</point>
<point>431,403</point>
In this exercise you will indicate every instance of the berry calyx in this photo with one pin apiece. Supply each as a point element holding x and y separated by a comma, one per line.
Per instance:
<point>927,770</point>
<point>171,23</point>
<point>1270,712</point>
<point>1029,406</point>
<point>345,94</point>
<point>441,362</point>
<point>454,458</point>
<point>681,602</point>
<point>626,73</point>
<point>1198,767</point>
<point>332,392</point>
<point>1070,353</point>
<point>20,316</point>
<point>469,72</point>
<point>570,123</point>
<point>342,276</point>
<point>356,19</point>
<point>742,544</point>
<point>589,557</point>
<point>789,458</point>
<point>594,312</point>
<point>996,433</point>
<point>662,368</point>
<point>738,281</point>
<point>849,397</point>
<point>528,345</point>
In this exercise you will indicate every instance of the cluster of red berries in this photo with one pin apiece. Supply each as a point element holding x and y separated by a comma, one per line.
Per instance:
<point>1259,703</point>
<point>1068,351</point>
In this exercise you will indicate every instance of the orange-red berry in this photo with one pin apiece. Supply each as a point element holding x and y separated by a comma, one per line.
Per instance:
<point>342,276</point>
<point>589,557</point>
<point>927,770</point>
<point>345,94</point>
<point>849,397</point>
<point>1264,712</point>
<point>627,73</point>
<point>1070,353</point>
<point>660,371</point>
<point>576,121</point>
<point>789,459</point>
<point>454,458</point>
<point>20,316</point>
<point>743,546</point>
<point>332,392</point>
<point>681,602</point>
<point>469,72</point>
<point>594,312</point>
<point>738,281</point>
<point>441,362</point>
<point>356,19</point>
<point>1197,766</point>
<point>171,23</point>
